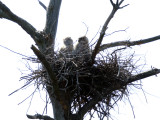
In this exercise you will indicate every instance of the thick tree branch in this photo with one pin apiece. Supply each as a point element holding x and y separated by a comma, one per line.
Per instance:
<point>128,43</point>
<point>38,116</point>
<point>144,75</point>
<point>134,78</point>
<point>42,5</point>
<point>88,106</point>
<point>49,70</point>
<point>5,12</point>
<point>102,33</point>
<point>52,18</point>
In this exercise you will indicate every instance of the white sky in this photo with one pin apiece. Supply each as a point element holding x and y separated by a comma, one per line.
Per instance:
<point>142,18</point>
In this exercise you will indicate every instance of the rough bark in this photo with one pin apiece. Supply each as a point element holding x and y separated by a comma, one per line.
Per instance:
<point>58,110</point>
<point>52,19</point>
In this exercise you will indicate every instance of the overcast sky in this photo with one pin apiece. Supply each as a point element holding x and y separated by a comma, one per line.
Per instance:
<point>141,18</point>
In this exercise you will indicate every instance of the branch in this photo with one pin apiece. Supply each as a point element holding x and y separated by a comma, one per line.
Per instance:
<point>88,106</point>
<point>133,79</point>
<point>144,75</point>
<point>128,43</point>
<point>52,18</point>
<point>38,116</point>
<point>94,101</point>
<point>102,33</point>
<point>49,70</point>
<point>5,12</point>
<point>42,5</point>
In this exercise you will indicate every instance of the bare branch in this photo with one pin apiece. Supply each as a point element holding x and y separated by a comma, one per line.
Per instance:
<point>49,70</point>
<point>123,6</point>
<point>102,33</point>
<point>144,75</point>
<point>42,5</point>
<point>112,2</point>
<point>124,30</point>
<point>52,18</point>
<point>88,106</point>
<point>5,12</point>
<point>134,78</point>
<point>20,88</point>
<point>128,43</point>
<point>38,116</point>
<point>120,2</point>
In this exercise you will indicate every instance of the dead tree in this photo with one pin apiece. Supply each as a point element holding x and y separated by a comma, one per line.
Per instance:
<point>76,87</point>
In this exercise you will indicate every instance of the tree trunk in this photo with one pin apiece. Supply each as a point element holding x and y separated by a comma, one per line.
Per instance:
<point>58,111</point>
<point>62,107</point>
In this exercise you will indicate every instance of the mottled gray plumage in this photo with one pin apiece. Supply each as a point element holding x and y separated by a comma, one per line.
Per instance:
<point>82,49</point>
<point>67,50</point>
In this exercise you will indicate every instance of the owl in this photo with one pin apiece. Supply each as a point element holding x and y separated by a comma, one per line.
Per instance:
<point>82,49</point>
<point>67,50</point>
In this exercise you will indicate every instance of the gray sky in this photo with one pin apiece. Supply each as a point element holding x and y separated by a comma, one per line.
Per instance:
<point>140,17</point>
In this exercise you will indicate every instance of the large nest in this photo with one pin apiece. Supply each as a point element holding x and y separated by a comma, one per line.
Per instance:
<point>106,79</point>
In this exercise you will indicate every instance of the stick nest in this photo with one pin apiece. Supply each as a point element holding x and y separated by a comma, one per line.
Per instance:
<point>105,80</point>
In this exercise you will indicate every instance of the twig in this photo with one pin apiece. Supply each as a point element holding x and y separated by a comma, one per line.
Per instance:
<point>30,101</point>
<point>116,32</point>
<point>47,101</point>
<point>131,107</point>
<point>32,94</point>
<point>86,27</point>
<point>95,37</point>
<point>20,88</point>
<point>38,116</point>
<point>42,5</point>
<point>13,51</point>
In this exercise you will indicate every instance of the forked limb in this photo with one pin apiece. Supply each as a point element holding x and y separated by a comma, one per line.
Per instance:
<point>116,6</point>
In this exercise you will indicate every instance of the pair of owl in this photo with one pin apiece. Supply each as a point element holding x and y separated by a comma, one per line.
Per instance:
<point>81,50</point>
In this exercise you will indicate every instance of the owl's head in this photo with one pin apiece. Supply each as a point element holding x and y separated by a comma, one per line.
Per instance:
<point>68,41</point>
<point>83,40</point>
